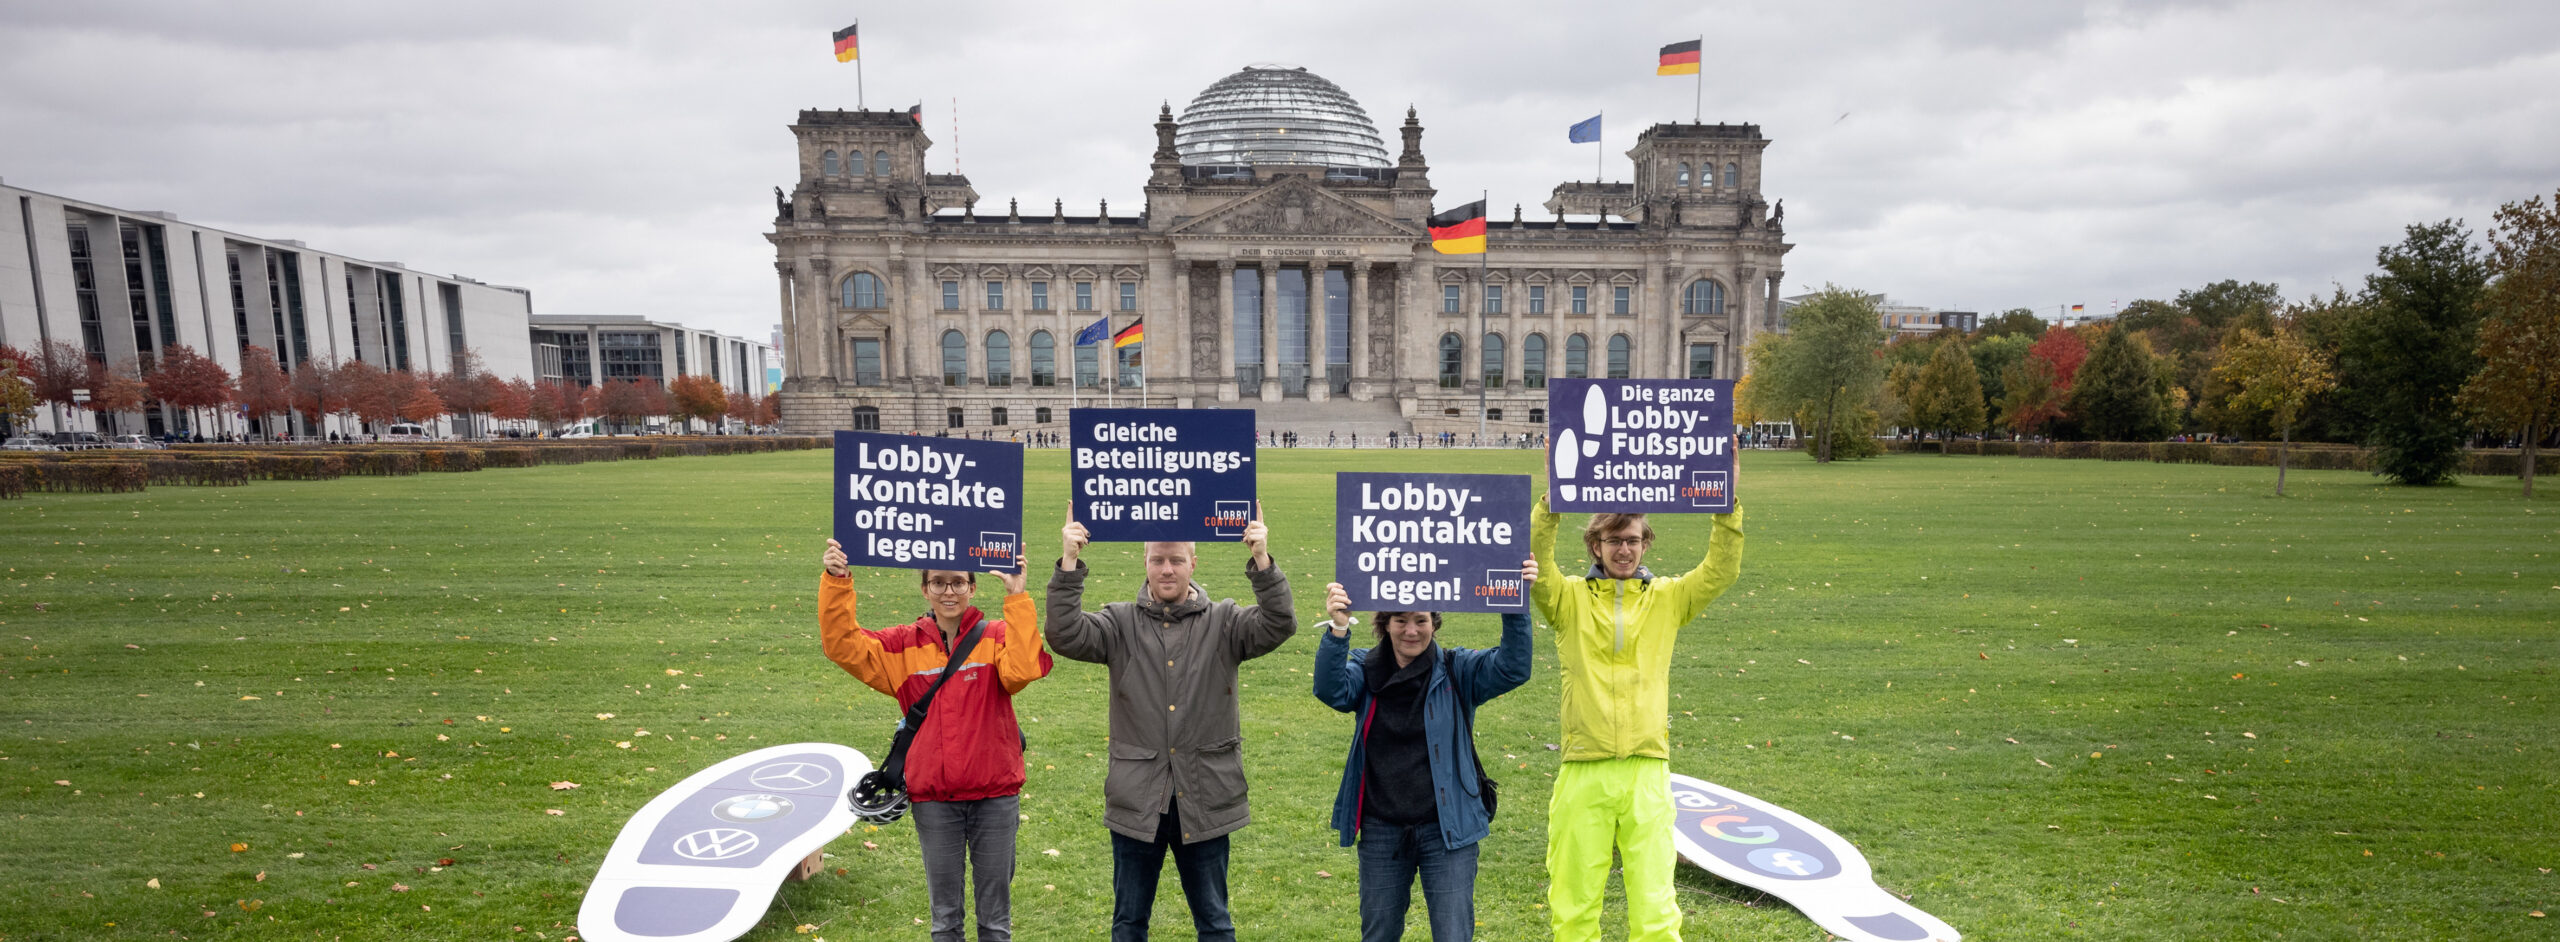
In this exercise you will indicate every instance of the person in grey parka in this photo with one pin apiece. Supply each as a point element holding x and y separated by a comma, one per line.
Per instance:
<point>1176,780</point>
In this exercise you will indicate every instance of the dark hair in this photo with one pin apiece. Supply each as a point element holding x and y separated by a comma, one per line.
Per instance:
<point>1378,623</point>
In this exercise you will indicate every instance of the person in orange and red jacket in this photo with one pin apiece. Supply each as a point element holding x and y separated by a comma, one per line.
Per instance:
<point>964,770</point>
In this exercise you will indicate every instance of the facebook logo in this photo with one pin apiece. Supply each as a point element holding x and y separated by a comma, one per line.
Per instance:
<point>1784,862</point>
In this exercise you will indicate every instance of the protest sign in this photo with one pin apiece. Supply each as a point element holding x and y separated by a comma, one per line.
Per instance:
<point>909,502</point>
<point>1661,446</point>
<point>1431,542</point>
<point>1138,475</point>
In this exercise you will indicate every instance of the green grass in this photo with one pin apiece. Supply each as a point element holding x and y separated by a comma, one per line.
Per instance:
<point>2048,698</point>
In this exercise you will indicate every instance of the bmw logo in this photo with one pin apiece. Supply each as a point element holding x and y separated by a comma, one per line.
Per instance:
<point>748,809</point>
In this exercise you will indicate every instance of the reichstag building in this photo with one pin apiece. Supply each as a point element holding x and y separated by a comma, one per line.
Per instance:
<point>1280,262</point>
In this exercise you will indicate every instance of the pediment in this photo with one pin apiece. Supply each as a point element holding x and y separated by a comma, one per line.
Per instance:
<point>1080,273</point>
<point>1294,207</point>
<point>949,273</point>
<point>1579,278</point>
<point>1623,278</point>
<point>1038,272</point>
<point>1125,273</point>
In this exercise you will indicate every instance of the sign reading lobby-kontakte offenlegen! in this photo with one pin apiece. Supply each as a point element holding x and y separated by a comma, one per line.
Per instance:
<point>1138,475</point>
<point>1437,542</point>
<point>1661,446</point>
<point>910,502</point>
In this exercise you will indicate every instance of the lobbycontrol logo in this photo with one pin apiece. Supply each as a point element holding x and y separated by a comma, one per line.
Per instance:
<point>1228,517</point>
<point>996,552</point>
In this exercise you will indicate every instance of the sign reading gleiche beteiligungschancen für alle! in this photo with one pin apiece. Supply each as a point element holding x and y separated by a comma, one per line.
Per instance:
<point>1137,475</point>
<point>1431,542</point>
<point>910,502</point>
<point>1661,446</point>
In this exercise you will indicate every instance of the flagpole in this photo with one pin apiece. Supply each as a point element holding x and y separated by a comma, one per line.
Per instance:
<point>857,65</point>
<point>1697,101</point>
<point>1483,262</point>
<point>1599,148</point>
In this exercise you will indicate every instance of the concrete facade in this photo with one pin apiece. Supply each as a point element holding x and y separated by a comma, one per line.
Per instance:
<point>122,284</point>
<point>1304,291</point>
<point>671,350</point>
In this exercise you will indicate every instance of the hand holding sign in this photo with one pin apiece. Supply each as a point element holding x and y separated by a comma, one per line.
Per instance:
<point>1529,570</point>
<point>1258,539</point>
<point>1337,605</point>
<point>1071,540</point>
<point>834,560</point>
<point>1016,578</point>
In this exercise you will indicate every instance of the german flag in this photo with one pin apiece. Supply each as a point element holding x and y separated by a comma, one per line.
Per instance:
<point>1459,231</point>
<point>916,114</point>
<point>1136,332</point>
<point>1680,58</point>
<point>848,45</point>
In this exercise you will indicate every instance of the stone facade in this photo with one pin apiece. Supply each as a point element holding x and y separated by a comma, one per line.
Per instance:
<point>1312,289</point>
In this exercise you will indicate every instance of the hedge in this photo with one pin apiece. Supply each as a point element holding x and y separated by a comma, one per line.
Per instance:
<point>2508,464</point>
<point>215,472</point>
<point>13,482</point>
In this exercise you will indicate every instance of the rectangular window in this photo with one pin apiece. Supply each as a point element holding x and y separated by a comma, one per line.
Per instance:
<point>952,418</point>
<point>1622,303</point>
<point>995,295</point>
<point>999,416</point>
<point>1128,295</point>
<point>1039,296</point>
<point>1702,361</point>
<point>1582,299</point>
<point>451,297</point>
<point>951,295</point>
<point>1247,286</point>
<point>1089,366</point>
<point>866,361</point>
<point>1537,299</point>
<point>1493,299</point>
<point>1084,295</point>
<point>1449,300</point>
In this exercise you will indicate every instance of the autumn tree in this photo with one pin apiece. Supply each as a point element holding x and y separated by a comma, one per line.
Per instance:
<point>768,410</point>
<point>654,400</point>
<point>17,391</point>
<point>318,390</point>
<point>465,389</point>
<point>2518,386</point>
<point>117,389</point>
<point>1948,394</point>
<point>416,397</point>
<point>2122,394</point>
<point>2413,349</point>
<point>2014,322</point>
<point>59,371</point>
<point>510,400</point>
<point>1826,363</point>
<point>621,402</point>
<point>742,407</point>
<point>543,404</point>
<point>2277,373</point>
<point>189,380</point>
<point>264,388</point>
<point>370,394</point>
<point>698,397</point>
<point>1992,357</point>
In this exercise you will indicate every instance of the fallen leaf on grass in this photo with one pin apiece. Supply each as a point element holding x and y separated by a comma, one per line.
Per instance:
<point>153,883</point>
<point>2044,763</point>
<point>399,887</point>
<point>236,848</point>
<point>673,672</point>
<point>562,786</point>
<point>444,861</point>
<point>2249,735</point>
<point>251,905</point>
<point>553,812</point>
<point>262,876</point>
<point>867,845</point>
<point>625,744</point>
<point>1051,852</point>
<point>2012,742</point>
<point>604,716</point>
<point>1323,874</point>
<point>1985,655</point>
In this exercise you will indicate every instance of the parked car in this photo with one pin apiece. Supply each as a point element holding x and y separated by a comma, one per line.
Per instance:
<point>404,432</point>
<point>135,442</point>
<point>75,441</point>
<point>26,443</point>
<point>581,433</point>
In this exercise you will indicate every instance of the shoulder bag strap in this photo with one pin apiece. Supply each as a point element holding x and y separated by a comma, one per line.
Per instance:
<point>896,763</point>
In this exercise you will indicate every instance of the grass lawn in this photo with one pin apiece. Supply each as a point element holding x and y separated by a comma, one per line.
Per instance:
<point>2050,699</point>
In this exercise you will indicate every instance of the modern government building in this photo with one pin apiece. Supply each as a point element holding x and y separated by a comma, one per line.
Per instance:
<point>123,284</point>
<point>1279,261</point>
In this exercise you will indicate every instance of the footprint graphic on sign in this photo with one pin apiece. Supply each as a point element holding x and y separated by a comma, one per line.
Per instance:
<point>1595,420</point>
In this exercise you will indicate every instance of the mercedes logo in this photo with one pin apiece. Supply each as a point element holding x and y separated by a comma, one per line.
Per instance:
<point>790,775</point>
<point>745,809</point>
<point>715,844</point>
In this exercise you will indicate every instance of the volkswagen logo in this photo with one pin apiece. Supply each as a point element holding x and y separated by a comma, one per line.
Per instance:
<point>748,809</point>
<point>715,844</point>
<point>790,776</point>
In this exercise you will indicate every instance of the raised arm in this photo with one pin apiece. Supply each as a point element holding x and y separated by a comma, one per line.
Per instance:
<point>1339,678</point>
<point>1021,660</point>
<point>856,650</point>
<point>1504,667</point>
<point>1548,595</point>
<point>1268,623</point>
<point>1717,572</point>
<point>1074,633</point>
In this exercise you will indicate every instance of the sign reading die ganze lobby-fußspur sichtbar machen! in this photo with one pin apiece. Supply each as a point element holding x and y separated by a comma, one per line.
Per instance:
<point>1661,446</point>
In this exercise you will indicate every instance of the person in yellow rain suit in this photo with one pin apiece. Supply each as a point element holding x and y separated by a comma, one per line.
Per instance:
<point>1614,632</point>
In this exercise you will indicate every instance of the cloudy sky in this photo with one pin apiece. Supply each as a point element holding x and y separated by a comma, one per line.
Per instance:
<point>619,157</point>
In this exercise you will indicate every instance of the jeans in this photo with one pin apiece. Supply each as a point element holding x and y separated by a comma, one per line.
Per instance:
<point>1391,856</point>
<point>1136,866</point>
<point>984,831</point>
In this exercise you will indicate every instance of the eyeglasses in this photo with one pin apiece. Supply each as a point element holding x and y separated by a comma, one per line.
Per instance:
<point>947,585</point>
<point>1618,543</point>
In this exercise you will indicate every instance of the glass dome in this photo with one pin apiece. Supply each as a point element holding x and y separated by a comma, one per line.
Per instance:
<point>1278,114</point>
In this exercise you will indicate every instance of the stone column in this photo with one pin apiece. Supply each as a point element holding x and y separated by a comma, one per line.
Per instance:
<point>1514,342</point>
<point>1559,300</point>
<point>1174,373</point>
<point>1360,335</point>
<point>818,322</point>
<point>1270,331</point>
<point>1018,341</point>
<point>973,355</point>
<point>918,301</point>
<point>1417,323</point>
<point>1675,353</point>
<point>791,365</point>
<point>1470,336</point>
<point>1648,331</point>
<point>1319,370</point>
<point>1739,323</point>
<point>1227,391</point>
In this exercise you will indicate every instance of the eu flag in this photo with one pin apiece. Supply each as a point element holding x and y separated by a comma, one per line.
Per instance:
<point>1096,332</point>
<point>1587,132</point>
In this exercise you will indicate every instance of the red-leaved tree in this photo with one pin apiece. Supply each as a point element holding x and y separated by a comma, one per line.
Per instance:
<point>509,401</point>
<point>57,370</point>
<point>416,396</point>
<point>621,401</point>
<point>191,381</point>
<point>318,389</point>
<point>264,388</point>
<point>369,393</point>
<point>698,397</point>
<point>465,391</point>
<point>117,389</point>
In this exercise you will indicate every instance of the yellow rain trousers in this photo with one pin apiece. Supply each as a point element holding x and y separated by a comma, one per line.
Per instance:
<point>1600,804</point>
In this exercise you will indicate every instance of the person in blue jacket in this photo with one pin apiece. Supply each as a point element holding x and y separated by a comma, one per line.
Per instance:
<point>1411,790</point>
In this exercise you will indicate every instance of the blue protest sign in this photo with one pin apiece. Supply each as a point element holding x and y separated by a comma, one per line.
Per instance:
<point>1431,542</point>
<point>908,502</point>
<point>1137,475</point>
<point>1662,446</point>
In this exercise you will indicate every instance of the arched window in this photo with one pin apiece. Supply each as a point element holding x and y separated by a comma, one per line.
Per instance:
<point>1089,366</point>
<point>999,359</point>
<point>880,163</point>
<point>1492,360</point>
<point>1533,361</point>
<point>1684,174</point>
<point>1044,359</point>
<point>955,360</point>
<point>1577,357</point>
<point>1732,175</point>
<point>865,290</point>
<point>1453,358</point>
<point>1704,296</point>
<point>854,167</point>
<point>1619,347</point>
<point>827,164</point>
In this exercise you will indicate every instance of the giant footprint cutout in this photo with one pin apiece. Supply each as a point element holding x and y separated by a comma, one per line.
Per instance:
<point>700,862</point>
<point>1787,855</point>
